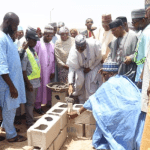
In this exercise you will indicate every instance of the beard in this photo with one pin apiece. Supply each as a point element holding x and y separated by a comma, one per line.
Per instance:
<point>9,30</point>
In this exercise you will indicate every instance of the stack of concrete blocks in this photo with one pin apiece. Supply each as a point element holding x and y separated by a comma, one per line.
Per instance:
<point>86,120</point>
<point>58,96</point>
<point>50,131</point>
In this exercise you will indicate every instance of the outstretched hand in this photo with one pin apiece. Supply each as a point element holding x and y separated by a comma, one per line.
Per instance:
<point>72,115</point>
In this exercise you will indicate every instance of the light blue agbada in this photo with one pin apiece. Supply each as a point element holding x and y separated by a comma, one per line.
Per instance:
<point>10,64</point>
<point>142,47</point>
<point>116,107</point>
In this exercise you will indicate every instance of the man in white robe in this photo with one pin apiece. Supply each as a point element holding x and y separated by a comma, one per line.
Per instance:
<point>104,35</point>
<point>84,61</point>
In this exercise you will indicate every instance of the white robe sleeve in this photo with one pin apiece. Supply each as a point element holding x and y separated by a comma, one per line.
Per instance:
<point>98,54</point>
<point>70,75</point>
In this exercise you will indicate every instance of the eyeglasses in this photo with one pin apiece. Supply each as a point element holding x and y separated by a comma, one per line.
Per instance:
<point>48,35</point>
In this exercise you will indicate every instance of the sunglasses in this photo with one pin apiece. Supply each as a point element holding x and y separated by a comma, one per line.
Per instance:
<point>90,22</point>
<point>81,48</point>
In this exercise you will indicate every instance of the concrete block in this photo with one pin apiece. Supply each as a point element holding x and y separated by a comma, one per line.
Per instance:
<point>77,106</point>
<point>44,131</point>
<point>60,109</point>
<point>51,147</point>
<point>59,141</point>
<point>75,130</point>
<point>85,118</point>
<point>89,130</point>
<point>58,97</point>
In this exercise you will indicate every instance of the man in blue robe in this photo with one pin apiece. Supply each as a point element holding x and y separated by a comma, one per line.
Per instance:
<point>116,107</point>
<point>12,89</point>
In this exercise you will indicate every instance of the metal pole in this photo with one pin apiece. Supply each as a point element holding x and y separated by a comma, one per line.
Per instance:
<point>50,15</point>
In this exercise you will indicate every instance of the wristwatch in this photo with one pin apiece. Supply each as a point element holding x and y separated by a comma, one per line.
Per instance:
<point>78,112</point>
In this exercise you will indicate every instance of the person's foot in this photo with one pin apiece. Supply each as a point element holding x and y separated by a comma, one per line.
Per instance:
<point>2,138</point>
<point>17,120</point>
<point>39,111</point>
<point>18,138</point>
<point>48,106</point>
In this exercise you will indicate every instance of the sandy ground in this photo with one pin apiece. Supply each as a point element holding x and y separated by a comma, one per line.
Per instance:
<point>70,144</point>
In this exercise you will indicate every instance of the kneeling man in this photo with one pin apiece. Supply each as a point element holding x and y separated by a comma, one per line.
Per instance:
<point>116,107</point>
<point>84,62</point>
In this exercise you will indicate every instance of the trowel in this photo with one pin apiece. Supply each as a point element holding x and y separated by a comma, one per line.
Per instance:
<point>70,102</point>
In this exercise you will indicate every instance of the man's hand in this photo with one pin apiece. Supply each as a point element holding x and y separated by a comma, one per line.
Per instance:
<point>52,76</point>
<point>66,67</point>
<point>87,70</point>
<point>25,45</point>
<point>70,90</point>
<point>72,115</point>
<point>29,87</point>
<point>128,60</point>
<point>148,90</point>
<point>13,92</point>
<point>100,71</point>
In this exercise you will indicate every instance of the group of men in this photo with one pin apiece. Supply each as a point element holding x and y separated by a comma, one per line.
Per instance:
<point>107,69</point>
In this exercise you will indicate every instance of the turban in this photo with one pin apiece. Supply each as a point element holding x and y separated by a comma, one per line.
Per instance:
<point>115,23</point>
<point>110,66</point>
<point>124,19</point>
<point>61,24</point>
<point>53,24</point>
<point>106,18</point>
<point>49,29</point>
<point>80,40</point>
<point>20,28</point>
<point>63,30</point>
<point>31,33</point>
<point>147,4</point>
<point>138,13</point>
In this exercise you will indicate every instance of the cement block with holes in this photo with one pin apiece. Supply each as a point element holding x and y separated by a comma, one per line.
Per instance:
<point>85,118</point>
<point>89,130</point>
<point>60,109</point>
<point>58,97</point>
<point>59,141</point>
<point>75,130</point>
<point>44,131</point>
<point>51,147</point>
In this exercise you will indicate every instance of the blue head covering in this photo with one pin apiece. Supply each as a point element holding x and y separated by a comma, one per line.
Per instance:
<point>20,28</point>
<point>110,66</point>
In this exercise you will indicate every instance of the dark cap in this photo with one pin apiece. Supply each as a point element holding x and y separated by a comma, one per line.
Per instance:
<point>124,19</point>
<point>115,23</point>
<point>31,33</point>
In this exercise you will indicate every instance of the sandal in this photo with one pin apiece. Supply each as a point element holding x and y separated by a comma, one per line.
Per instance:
<point>18,138</point>
<point>2,138</point>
